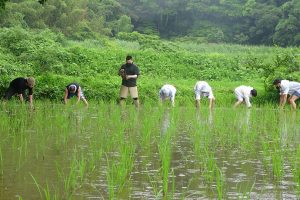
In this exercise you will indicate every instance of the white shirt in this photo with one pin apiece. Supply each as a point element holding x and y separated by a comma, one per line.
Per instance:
<point>289,87</point>
<point>244,93</point>
<point>202,89</point>
<point>167,91</point>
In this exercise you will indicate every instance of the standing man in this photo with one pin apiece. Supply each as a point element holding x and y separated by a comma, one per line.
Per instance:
<point>167,91</point>
<point>202,89</point>
<point>72,90</point>
<point>129,73</point>
<point>18,86</point>
<point>243,94</point>
<point>286,88</point>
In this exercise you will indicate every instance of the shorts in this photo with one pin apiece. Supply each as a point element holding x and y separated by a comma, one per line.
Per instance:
<point>10,92</point>
<point>70,95</point>
<point>199,94</point>
<point>124,92</point>
<point>297,94</point>
<point>238,95</point>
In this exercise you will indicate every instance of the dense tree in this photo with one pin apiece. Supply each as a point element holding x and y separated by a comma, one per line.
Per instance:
<point>288,29</point>
<point>266,22</point>
<point>2,3</point>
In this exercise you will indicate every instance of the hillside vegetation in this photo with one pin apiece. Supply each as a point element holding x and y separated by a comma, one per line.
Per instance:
<point>55,61</point>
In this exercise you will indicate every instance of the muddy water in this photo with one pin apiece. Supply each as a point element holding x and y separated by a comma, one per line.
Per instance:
<point>40,148</point>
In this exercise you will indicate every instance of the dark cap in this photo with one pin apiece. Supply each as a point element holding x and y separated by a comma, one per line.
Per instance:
<point>253,92</point>
<point>128,57</point>
<point>276,81</point>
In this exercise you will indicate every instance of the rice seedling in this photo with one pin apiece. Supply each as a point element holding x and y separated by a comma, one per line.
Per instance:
<point>220,182</point>
<point>164,148</point>
<point>210,167</point>
<point>1,162</point>
<point>118,169</point>
<point>296,169</point>
<point>44,193</point>
<point>246,195</point>
<point>153,152</point>
<point>277,164</point>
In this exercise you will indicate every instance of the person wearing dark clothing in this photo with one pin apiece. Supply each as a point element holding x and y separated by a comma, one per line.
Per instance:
<point>129,73</point>
<point>19,86</point>
<point>72,90</point>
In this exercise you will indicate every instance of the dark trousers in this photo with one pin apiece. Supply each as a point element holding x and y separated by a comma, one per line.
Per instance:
<point>11,92</point>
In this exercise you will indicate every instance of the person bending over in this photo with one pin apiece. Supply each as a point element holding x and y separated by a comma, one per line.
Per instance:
<point>18,87</point>
<point>202,89</point>
<point>167,92</point>
<point>286,88</point>
<point>243,95</point>
<point>72,90</point>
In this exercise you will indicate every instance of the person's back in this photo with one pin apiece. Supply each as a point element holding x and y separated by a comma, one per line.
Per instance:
<point>203,89</point>
<point>202,86</point>
<point>243,90</point>
<point>243,94</point>
<point>289,87</point>
<point>19,86</point>
<point>168,91</point>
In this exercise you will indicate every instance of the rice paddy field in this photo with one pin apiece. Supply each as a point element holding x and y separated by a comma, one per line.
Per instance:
<point>156,152</point>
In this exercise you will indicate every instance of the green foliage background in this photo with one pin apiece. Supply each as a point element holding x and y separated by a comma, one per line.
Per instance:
<point>56,61</point>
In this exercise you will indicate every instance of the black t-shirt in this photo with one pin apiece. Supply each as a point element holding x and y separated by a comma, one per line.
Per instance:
<point>77,86</point>
<point>130,69</point>
<point>20,85</point>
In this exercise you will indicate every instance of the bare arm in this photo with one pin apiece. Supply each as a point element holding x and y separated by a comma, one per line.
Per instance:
<point>211,103</point>
<point>237,103</point>
<point>78,95</point>
<point>247,101</point>
<point>31,100</point>
<point>172,99</point>
<point>66,96</point>
<point>21,97</point>
<point>283,98</point>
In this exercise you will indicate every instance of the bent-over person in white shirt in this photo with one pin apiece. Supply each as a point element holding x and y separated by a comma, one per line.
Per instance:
<point>286,88</point>
<point>202,89</point>
<point>167,92</point>
<point>243,94</point>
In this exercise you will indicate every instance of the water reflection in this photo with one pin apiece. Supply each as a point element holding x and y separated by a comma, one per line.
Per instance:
<point>211,117</point>
<point>244,120</point>
<point>204,117</point>
<point>247,119</point>
<point>165,122</point>
<point>287,126</point>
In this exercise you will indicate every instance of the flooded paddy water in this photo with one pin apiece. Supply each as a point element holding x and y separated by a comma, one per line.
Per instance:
<point>105,152</point>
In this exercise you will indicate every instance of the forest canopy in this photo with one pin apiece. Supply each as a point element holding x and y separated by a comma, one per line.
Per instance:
<point>257,22</point>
